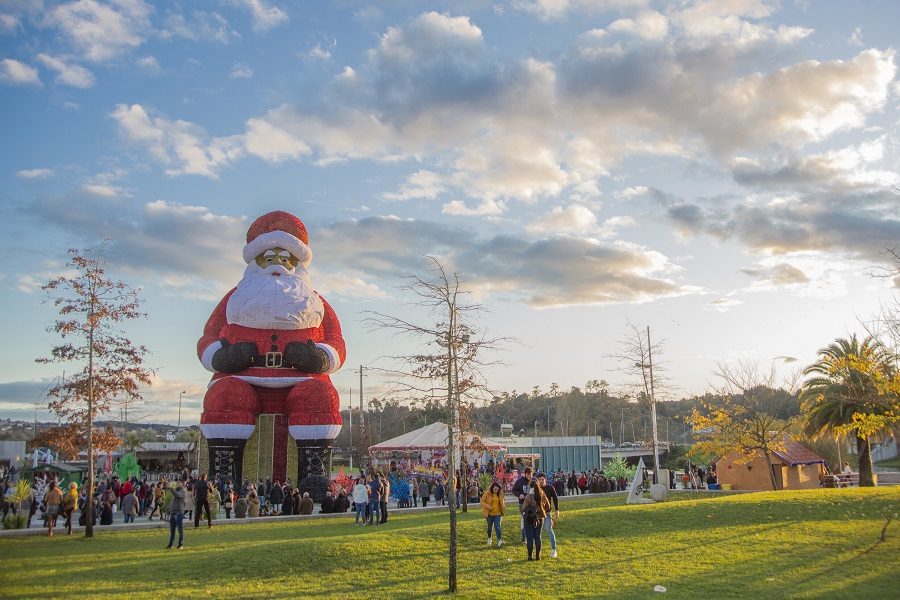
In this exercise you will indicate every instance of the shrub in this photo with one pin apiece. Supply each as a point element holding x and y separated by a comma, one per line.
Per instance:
<point>618,467</point>
<point>15,521</point>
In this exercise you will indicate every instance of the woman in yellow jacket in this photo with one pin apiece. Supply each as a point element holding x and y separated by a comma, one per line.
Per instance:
<point>493,508</point>
<point>70,502</point>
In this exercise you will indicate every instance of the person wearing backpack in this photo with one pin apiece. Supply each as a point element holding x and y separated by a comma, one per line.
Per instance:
<point>520,490</point>
<point>534,508</point>
<point>553,498</point>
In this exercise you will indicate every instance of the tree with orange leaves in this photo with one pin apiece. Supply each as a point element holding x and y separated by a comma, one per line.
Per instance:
<point>92,309</point>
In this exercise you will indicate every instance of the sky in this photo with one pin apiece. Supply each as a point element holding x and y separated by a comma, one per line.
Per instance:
<point>722,171</point>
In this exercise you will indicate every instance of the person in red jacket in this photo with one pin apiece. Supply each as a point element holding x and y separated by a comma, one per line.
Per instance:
<point>271,343</point>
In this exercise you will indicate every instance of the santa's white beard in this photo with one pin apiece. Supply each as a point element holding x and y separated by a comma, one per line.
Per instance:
<point>264,301</point>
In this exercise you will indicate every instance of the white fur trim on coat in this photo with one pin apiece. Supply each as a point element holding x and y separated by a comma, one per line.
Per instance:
<point>206,359</point>
<point>277,239</point>
<point>314,432</point>
<point>231,431</point>
<point>334,360</point>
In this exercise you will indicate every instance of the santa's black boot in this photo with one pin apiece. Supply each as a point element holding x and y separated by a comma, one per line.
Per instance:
<point>226,458</point>
<point>314,467</point>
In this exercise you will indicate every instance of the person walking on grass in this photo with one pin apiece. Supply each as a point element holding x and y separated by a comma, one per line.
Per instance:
<point>385,494</point>
<point>521,489</point>
<point>306,505</point>
<point>70,501</point>
<point>201,501</point>
<point>493,508</point>
<point>53,500</point>
<point>534,509</point>
<point>130,506</point>
<point>360,499</point>
<point>424,492</point>
<point>553,498</point>
<point>375,491</point>
<point>176,515</point>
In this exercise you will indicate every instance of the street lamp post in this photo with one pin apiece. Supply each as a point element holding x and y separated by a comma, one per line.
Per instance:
<point>179,408</point>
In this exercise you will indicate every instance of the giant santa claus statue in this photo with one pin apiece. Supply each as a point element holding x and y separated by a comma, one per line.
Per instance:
<point>271,343</point>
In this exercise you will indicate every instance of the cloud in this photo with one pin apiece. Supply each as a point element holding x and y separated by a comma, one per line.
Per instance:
<point>648,25</point>
<point>778,274</point>
<point>156,238</point>
<point>485,208</point>
<point>31,283</point>
<point>550,10</point>
<point>263,15</point>
<point>148,63</point>
<point>421,184</point>
<point>67,73</point>
<point>241,71</point>
<point>807,274</point>
<point>858,221</point>
<point>34,173</point>
<point>8,23</point>
<point>183,147</point>
<point>272,144</point>
<point>723,305</point>
<point>574,217</point>
<point>198,26</point>
<point>486,131</point>
<point>13,72</point>
<point>543,272</point>
<point>102,31</point>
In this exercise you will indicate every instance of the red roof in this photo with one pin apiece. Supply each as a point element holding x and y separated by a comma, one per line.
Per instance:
<point>795,453</point>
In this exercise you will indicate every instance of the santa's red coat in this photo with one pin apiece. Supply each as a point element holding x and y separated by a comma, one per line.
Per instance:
<point>306,398</point>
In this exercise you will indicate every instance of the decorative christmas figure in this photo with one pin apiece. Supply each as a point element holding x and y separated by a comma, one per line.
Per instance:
<point>271,343</point>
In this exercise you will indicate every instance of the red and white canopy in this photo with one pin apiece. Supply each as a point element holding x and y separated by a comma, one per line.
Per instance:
<point>430,437</point>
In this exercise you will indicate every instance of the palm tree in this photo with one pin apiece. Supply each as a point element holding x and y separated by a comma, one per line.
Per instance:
<point>844,383</point>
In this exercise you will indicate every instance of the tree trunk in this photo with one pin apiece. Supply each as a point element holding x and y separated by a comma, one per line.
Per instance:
<point>865,462</point>
<point>771,471</point>
<point>89,505</point>
<point>451,453</point>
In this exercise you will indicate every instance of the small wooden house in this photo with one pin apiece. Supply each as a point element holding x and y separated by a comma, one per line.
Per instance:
<point>795,467</point>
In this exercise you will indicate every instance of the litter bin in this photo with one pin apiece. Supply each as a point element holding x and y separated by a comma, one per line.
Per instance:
<point>714,486</point>
<point>725,486</point>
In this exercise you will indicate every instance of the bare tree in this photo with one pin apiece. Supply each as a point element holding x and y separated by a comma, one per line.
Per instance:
<point>449,367</point>
<point>885,326</point>
<point>635,355</point>
<point>91,308</point>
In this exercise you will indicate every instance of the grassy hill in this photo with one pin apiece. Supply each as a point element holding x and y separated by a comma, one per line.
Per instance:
<point>814,543</point>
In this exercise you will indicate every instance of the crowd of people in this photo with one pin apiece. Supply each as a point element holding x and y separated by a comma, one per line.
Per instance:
<point>194,497</point>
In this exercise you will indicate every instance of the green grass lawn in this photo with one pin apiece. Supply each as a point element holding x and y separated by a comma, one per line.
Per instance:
<point>814,543</point>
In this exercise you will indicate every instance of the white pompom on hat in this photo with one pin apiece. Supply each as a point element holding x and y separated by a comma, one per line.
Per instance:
<point>278,229</point>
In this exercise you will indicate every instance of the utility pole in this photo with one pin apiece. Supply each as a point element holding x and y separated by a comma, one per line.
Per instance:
<point>350,449</point>
<point>179,409</point>
<point>362,416</point>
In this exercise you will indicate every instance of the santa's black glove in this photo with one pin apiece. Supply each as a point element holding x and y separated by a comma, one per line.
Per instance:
<point>305,357</point>
<point>232,358</point>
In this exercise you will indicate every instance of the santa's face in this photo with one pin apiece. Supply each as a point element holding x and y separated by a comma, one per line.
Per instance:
<point>280,257</point>
<point>275,293</point>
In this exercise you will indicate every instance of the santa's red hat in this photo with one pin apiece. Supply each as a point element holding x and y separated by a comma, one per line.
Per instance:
<point>277,229</point>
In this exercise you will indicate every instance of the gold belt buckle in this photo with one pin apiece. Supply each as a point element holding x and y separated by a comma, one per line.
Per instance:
<point>274,360</point>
